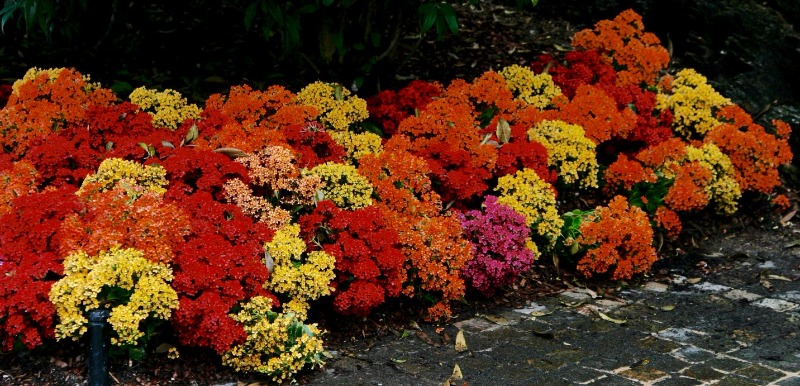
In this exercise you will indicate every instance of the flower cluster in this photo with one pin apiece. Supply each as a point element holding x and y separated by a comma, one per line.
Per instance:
<point>44,101</point>
<point>694,104</point>
<point>299,275</point>
<point>119,172</point>
<point>343,185</point>
<point>337,108</point>
<point>537,90</point>
<point>569,151</point>
<point>754,153</point>
<point>500,244</point>
<point>388,108</point>
<point>277,345</point>
<point>168,108</point>
<point>370,265</point>
<point>121,279</point>
<point>626,45</point>
<point>619,241</point>
<point>18,179</point>
<point>526,193</point>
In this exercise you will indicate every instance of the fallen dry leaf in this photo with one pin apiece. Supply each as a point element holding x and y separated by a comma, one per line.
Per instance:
<point>610,319</point>
<point>461,343</point>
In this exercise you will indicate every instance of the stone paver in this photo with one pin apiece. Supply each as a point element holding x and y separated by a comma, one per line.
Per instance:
<point>725,329</point>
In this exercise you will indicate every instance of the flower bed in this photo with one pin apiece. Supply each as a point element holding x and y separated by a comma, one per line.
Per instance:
<point>232,221</point>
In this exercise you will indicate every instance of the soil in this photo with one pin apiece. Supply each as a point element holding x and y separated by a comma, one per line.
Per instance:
<point>493,34</point>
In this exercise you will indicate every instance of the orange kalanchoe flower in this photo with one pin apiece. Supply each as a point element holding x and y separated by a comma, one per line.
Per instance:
<point>623,42</point>
<point>668,220</point>
<point>687,192</point>
<point>19,180</point>
<point>625,172</point>
<point>250,120</point>
<point>598,114</point>
<point>45,101</point>
<point>619,240</point>
<point>755,153</point>
<point>112,219</point>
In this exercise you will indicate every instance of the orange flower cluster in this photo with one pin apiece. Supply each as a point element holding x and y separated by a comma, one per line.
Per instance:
<point>619,241</point>
<point>597,112</point>
<point>18,180</point>
<point>272,168</point>
<point>112,219</point>
<point>248,119</point>
<point>433,244</point>
<point>623,42</point>
<point>625,172</point>
<point>669,221</point>
<point>45,102</point>
<point>755,153</point>
<point>447,136</point>
<point>687,193</point>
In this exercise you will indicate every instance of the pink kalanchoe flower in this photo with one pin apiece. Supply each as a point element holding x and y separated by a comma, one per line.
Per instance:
<point>498,236</point>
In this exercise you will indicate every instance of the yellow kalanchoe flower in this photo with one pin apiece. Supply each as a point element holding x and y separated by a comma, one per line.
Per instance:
<point>357,145</point>
<point>113,170</point>
<point>529,195</point>
<point>168,108</point>
<point>569,150</point>
<point>278,345</point>
<point>127,270</point>
<point>723,188</point>
<point>693,103</point>
<point>537,90</point>
<point>301,278</point>
<point>337,108</point>
<point>343,185</point>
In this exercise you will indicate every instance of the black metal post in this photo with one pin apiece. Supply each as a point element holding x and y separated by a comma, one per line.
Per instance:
<point>98,348</point>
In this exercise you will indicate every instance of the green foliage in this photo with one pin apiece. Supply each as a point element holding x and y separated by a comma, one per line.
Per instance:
<point>650,196</point>
<point>49,16</point>
<point>570,231</point>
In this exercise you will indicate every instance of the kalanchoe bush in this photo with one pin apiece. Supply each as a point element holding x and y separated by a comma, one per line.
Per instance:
<point>234,220</point>
<point>499,239</point>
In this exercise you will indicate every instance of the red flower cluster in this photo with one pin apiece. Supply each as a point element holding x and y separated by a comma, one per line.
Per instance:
<point>388,108</point>
<point>370,265</point>
<point>30,264</point>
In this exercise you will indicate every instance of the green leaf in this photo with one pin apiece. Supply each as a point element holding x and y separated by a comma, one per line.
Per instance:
<point>306,9</point>
<point>250,15</point>
<point>192,134</point>
<point>167,144</point>
<point>449,14</point>
<point>428,12</point>
<point>275,11</point>
<point>327,2</point>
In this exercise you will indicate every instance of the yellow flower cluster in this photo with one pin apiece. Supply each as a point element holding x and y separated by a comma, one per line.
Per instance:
<point>569,151</point>
<point>168,108</point>
<point>343,185</point>
<point>52,75</point>
<point>693,103</point>
<point>278,345</point>
<point>529,195</point>
<point>357,145</point>
<point>723,188</point>
<point>301,278</point>
<point>337,108</point>
<point>132,174</point>
<point>535,90</point>
<point>86,276</point>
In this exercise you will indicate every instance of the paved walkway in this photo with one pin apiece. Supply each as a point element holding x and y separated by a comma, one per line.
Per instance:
<point>737,323</point>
